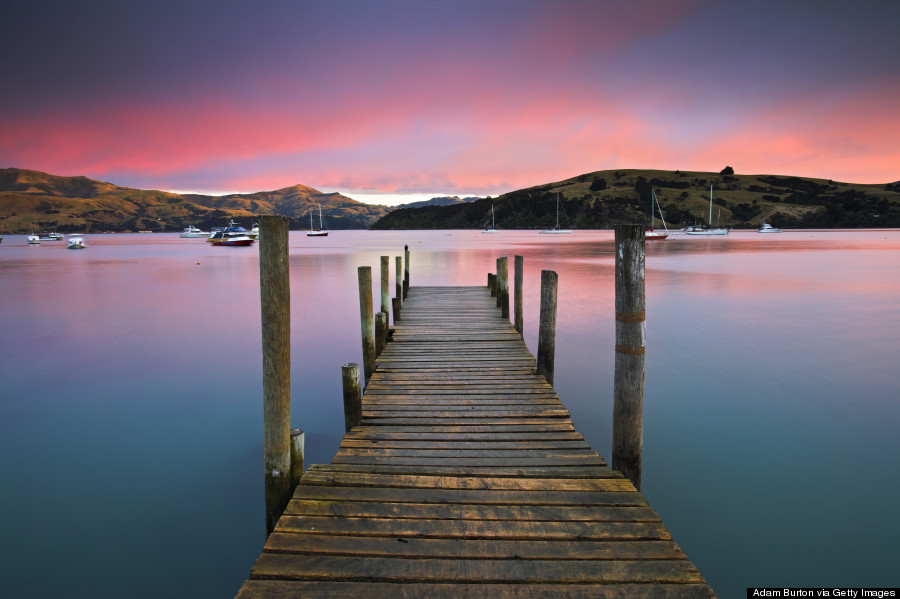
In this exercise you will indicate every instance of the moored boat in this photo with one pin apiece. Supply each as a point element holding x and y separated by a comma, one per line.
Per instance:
<point>696,230</point>
<point>491,228</point>
<point>76,242</point>
<point>53,236</point>
<point>767,228</point>
<point>192,231</point>
<point>319,232</point>
<point>556,230</point>
<point>650,233</point>
<point>233,234</point>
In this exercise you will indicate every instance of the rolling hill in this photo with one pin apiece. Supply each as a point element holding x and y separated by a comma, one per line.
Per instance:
<point>32,200</point>
<point>602,199</point>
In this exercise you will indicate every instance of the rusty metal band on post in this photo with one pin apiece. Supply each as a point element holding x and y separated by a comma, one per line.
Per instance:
<point>631,316</point>
<point>629,351</point>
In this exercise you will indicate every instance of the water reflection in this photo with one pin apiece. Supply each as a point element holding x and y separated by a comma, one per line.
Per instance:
<point>131,373</point>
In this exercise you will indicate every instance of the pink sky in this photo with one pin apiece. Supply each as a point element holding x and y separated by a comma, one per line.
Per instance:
<point>376,99</point>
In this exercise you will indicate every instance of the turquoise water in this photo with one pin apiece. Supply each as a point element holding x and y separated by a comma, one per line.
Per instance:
<point>131,418</point>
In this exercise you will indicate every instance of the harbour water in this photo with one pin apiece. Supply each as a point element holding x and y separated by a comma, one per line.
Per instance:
<point>131,416</point>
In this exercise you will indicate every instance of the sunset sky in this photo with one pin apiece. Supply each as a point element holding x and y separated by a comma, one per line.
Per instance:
<point>378,99</point>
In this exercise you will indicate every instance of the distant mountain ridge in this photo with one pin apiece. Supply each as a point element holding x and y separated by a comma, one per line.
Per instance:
<point>33,200</point>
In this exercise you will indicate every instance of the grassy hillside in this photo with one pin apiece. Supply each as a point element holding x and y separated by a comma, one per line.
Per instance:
<point>604,198</point>
<point>31,200</point>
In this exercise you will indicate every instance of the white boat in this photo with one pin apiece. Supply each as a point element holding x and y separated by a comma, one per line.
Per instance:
<point>695,230</point>
<point>556,230</point>
<point>192,231</point>
<point>767,228</point>
<point>254,230</point>
<point>51,237</point>
<point>651,234</point>
<point>233,234</point>
<point>492,228</point>
<point>316,232</point>
<point>76,242</point>
<point>34,239</point>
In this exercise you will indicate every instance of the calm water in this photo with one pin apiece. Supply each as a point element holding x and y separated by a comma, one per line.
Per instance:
<point>131,418</point>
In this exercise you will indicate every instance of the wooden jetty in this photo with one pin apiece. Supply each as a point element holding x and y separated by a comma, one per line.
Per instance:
<point>466,478</point>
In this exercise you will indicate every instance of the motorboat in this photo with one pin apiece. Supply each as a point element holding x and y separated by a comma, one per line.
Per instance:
<point>51,237</point>
<point>76,242</point>
<point>696,230</point>
<point>254,230</point>
<point>316,232</point>
<point>233,234</point>
<point>34,239</point>
<point>556,230</point>
<point>192,231</point>
<point>767,228</point>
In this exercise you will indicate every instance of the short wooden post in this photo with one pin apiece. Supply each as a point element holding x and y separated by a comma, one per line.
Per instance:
<point>352,396</point>
<point>628,391</point>
<point>503,292</point>
<point>381,328</point>
<point>298,449</point>
<point>547,328</point>
<point>395,303</point>
<point>367,321</point>
<point>489,279</point>
<point>406,273</point>
<point>398,278</point>
<point>385,277</point>
<point>275,302</point>
<point>518,292</point>
<point>492,284</point>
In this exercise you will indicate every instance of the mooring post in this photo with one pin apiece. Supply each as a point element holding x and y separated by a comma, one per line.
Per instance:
<point>367,321</point>
<point>385,278</point>
<point>352,396</point>
<point>381,329</point>
<point>492,284</point>
<point>395,304</point>
<point>628,392</point>
<point>547,327</point>
<point>406,273</point>
<point>275,302</point>
<point>398,279</point>
<point>489,278</point>
<point>518,292</point>
<point>503,294</point>
<point>298,449</point>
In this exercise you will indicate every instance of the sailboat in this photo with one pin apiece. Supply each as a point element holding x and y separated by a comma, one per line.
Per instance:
<point>709,230</point>
<point>556,229</point>
<point>492,228</point>
<point>316,232</point>
<point>650,234</point>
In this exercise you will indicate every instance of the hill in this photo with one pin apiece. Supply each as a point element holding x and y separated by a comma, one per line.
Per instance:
<point>440,201</point>
<point>602,199</point>
<point>32,200</point>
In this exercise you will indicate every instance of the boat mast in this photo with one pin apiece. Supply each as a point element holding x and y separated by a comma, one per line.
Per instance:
<point>710,206</point>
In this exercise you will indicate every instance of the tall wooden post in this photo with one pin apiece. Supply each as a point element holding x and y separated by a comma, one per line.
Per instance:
<point>275,302</point>
<point>492,284</point>
<point>395,303</point>
<point>398,278</point>
<point>503,293</point>
<point>385,276</point>
<point>547,327</point>
<point>518,292</point>
<point>628,391</point>
<point>352,396</point>
<point>406,273</point>
<point>367,321</point>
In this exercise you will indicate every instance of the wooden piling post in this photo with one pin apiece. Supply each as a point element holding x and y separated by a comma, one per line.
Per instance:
<point>547,328</point>
<point>352,396</point>
<point>518,292</point>
<point>395,304</point>
<point>367,321</point>
<point>492,284</point>
<point>489,279</point>
<point>503,291</point>
<point>406,273</point>
<point>628,391</point>
<point>398,278</point>
<point>298,449</point>
<point>275,302</point>
<point>381,329</point>
<point>385,277</point>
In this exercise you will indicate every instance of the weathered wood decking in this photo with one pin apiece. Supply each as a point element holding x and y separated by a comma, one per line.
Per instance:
<point>466,479</point>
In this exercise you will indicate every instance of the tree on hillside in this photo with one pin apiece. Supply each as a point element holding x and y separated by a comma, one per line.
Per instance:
<point>727,171</point>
